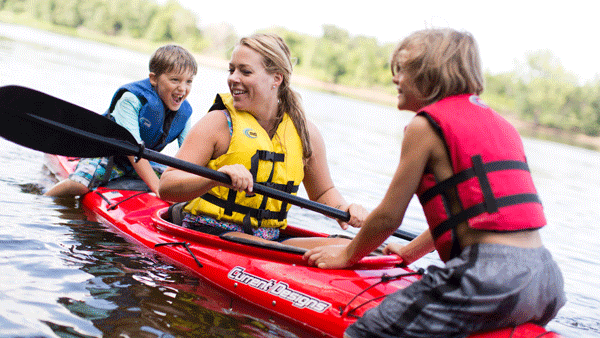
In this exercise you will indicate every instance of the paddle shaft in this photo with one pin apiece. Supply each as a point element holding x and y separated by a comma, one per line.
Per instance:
<point>141,152</point>
<point>258,188</point>
<point>64,126</point>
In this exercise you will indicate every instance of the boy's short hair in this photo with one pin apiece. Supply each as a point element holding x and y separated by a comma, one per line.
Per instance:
<point>442,62</point>
<point>172,57</point>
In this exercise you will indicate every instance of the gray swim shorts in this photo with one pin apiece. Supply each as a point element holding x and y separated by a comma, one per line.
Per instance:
<point>488,286</point>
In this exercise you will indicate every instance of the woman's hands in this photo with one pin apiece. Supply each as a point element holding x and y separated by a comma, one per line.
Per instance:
<point>241,178</point>
<point>358,214</point>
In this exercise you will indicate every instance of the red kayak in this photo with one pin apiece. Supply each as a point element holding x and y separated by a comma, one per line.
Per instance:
<point>273,277</point>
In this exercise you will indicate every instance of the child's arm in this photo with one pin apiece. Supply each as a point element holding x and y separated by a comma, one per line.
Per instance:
<point>417,146</point>
<point>146,173</point>
<point>126,114</point>
<point>415,249</point>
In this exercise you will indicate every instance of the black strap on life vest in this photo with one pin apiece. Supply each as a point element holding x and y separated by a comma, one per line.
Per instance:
<point>242,209</point>
<point>289,188</point>
<point>490,203</point>
<point>479,209</point>
<point>470,173</point>
<point>259,213</point>
<point>260,155</point>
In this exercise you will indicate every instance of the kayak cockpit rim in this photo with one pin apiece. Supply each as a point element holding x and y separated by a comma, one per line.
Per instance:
<point>260,248</point>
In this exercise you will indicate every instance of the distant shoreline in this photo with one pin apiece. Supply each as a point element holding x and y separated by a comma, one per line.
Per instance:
<point>526,129</point>
<point>372,95</point>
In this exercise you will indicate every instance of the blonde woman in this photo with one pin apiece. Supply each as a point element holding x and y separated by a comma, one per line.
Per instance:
<point>257,132</point>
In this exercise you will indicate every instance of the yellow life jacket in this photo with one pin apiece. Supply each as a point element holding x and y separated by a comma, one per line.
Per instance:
<point>274,162</point>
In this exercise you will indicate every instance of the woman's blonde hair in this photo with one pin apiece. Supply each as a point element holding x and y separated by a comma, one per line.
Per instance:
<point>276,59</point>
<point>442,62</point>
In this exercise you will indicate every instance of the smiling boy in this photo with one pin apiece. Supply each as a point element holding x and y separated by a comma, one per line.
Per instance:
<point>154,111</point>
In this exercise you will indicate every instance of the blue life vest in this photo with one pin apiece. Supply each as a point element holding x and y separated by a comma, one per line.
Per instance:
<point>152,115</point>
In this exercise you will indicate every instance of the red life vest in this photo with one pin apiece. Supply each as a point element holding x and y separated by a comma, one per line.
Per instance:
<point>491,176</point>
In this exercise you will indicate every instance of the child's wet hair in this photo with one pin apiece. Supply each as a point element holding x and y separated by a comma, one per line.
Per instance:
<point>172,58</point>
<point>442,62</point>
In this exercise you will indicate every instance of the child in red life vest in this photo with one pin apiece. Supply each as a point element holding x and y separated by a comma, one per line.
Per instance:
<point>468,168</point>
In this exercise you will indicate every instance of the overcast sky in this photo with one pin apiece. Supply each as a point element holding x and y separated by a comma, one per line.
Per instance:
<point>505,30</point>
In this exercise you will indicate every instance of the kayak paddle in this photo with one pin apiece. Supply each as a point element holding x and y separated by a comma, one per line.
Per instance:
<point>42,122</point>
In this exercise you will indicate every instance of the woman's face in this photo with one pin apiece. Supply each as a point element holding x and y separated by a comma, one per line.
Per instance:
<point>252,88</point>
<point>409,97</point>
<point>173,87</point>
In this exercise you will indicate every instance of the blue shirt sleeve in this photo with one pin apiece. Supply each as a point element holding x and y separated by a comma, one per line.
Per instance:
<point>185,131</point>
<point>127,112</point>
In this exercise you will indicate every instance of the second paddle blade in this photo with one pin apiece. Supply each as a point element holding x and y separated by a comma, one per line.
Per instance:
<point>42,122</point>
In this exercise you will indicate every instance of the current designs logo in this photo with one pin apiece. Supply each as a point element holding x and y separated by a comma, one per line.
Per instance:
<point>279,289</point>
<point>250,133</point>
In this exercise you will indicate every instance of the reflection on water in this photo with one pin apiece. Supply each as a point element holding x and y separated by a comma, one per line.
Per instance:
<point>64,274</point>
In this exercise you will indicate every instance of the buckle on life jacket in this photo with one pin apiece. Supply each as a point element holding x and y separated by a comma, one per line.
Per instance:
<point>259,214</point>
<point>488,195</point>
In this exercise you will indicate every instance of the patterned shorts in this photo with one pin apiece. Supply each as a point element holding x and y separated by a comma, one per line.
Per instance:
<point>215,227</point>
<point>90,171</point>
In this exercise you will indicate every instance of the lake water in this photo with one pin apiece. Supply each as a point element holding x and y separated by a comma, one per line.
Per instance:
<point>63,275</point>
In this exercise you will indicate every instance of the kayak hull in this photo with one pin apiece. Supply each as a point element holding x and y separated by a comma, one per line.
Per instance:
<point>275,279</point>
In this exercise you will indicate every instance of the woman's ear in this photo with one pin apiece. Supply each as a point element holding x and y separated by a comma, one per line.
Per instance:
<point>277,79</point>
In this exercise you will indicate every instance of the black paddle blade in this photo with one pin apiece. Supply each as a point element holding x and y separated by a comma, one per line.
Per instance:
<point>45,123</point>
<point>48,124</point>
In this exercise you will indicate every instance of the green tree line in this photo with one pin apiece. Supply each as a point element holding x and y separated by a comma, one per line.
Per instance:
<point>138,19</point>
<point>542,92</point>
<point>546,95</point>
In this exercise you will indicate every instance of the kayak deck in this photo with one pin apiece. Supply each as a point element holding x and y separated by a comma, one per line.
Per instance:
<point>273,277</point>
